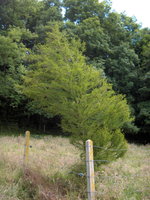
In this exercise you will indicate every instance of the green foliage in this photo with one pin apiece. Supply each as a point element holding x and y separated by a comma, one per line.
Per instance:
<point>91,32</point>
<point>10,53</point>
<point>122,72</point>
<point>109,38</point>
<point>22,36</point>
<point>113,42</point>
<point>61,82</point>
<point>28,14</point>
<point>77,11</point>
<point>18,13</point>
<point>11,59</point>
<point>142,95</point>
<point>109,45</point>
<point>51,11</point>
<point>19,21</point>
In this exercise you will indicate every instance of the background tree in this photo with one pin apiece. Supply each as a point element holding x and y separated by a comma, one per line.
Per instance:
<point>143,82</point>
<point>18,13</point>
<point>20,30</point>
<point>77,11</point>
<point>29,14</point>
<point>11,68</point>
<point>110,44</point>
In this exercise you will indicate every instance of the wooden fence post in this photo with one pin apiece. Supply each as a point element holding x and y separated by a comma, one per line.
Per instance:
<point>90,170</point>
<point>26,148</point>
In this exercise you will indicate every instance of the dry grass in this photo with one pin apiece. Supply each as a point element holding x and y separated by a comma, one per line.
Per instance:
<point>127,178</point>
<point>50,154</point>
<point>48,157</point>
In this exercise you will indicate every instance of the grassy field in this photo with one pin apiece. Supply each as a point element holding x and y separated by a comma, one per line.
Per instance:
<point>52,168</point>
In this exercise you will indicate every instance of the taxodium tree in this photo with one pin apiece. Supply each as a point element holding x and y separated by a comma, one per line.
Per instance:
<point>61,83</point>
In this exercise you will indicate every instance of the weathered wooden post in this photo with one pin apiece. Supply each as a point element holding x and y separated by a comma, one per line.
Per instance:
<point>90,170</point>
<point>26,148</point>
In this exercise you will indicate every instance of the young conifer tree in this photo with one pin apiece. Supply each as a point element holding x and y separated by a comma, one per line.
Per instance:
<point>60,82</point>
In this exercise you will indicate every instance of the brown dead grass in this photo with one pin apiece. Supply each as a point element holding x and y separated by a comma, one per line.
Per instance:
<point>49,155</point>
<point>46,189</point>
<point>128,178</point>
